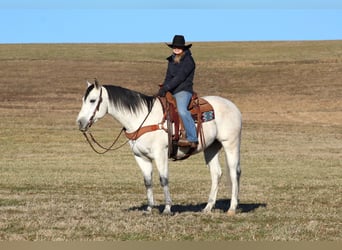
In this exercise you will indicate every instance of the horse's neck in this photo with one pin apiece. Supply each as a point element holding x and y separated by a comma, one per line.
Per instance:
<point>128,120</point>
<point>131,121</point>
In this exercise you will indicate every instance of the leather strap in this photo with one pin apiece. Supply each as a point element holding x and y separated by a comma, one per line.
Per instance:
<point>136,134</point>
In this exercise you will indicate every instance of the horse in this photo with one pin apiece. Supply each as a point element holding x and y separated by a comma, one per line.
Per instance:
<point>134,109</point>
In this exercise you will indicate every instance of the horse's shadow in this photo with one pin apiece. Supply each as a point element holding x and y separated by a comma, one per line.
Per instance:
<point>221,205</point>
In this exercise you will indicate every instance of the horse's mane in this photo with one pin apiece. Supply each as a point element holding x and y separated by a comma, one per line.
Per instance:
<point>129,99</point>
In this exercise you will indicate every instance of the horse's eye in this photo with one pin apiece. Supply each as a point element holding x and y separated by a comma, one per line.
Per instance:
<point>92,100</point>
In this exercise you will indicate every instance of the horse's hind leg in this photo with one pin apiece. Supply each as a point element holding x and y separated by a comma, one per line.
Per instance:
<point>232,150</point>
<point>211,155</point>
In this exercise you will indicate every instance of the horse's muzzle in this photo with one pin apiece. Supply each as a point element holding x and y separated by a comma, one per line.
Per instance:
<point>82,125</point>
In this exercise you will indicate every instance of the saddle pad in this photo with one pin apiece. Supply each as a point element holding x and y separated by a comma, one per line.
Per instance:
<point>208,116</point>
<point>206,110</point>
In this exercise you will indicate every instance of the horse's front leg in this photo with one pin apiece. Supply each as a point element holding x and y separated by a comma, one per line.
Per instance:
<point>161,161</point>
<point>147,168</point>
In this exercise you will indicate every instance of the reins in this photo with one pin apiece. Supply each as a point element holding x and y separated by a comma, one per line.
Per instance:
<point>98,144</point>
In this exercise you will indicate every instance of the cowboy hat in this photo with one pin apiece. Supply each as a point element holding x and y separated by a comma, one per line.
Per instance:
<point>179,42</point>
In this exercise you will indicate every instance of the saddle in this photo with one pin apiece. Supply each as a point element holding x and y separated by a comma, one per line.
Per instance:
<point>201,111</point>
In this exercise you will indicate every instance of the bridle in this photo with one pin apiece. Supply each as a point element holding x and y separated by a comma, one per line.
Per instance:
<point>97,108</point>
<point>93,140</point>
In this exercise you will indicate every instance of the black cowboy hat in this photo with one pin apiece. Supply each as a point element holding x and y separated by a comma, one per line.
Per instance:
<point>179,42</point>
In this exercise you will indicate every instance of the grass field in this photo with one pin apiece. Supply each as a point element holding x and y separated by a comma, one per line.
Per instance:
<point>54,187</point>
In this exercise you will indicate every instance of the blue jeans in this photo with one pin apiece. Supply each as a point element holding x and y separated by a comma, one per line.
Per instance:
<point>183,99</point>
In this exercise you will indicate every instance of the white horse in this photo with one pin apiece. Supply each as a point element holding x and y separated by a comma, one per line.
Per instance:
<point>134,110</point>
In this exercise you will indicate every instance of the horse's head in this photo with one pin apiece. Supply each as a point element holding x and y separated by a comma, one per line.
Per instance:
<point>92,108</point>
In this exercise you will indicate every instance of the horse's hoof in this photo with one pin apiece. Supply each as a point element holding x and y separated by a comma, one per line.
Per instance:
<point>206,211</point>
<point>167,213</point>
<point>148,211</point>
<point>231,212</point>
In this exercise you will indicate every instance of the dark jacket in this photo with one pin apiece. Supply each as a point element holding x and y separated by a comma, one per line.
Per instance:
<point>179,76</point>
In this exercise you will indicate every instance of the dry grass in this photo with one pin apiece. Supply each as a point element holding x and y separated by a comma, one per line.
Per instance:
<point>53,187</point>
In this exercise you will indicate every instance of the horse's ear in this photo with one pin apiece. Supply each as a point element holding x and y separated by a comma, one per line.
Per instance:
<point>88,83</point>
<point>96,83</point>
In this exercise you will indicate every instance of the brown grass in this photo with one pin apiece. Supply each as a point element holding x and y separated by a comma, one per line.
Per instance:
<point>53,187</point>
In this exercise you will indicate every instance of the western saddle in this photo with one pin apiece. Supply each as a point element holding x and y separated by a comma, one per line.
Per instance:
<point>201,111</point>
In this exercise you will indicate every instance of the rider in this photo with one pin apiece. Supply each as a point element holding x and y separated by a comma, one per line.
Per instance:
<point>179,81</point>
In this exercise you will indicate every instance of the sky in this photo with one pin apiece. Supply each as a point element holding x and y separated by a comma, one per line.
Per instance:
<point>150,21</point>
